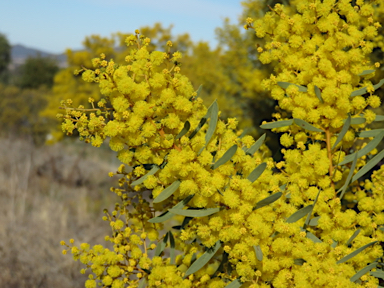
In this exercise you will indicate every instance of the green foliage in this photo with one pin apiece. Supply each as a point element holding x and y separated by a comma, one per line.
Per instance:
<point>5,57</point>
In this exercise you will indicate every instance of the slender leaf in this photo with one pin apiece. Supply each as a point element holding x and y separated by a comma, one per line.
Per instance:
<point>313,237</point>
<point>257,172</point>
<point>299,261</point>
<point>199,90</point>
<point>379,118</point>
<point>224,261</point>
<point>343,131</point>
<point>161,246</point>
<point>197,129</point>
<point>314,221</point>
<point>318,94</point>
<point>368,148</point>
<point>167,192</point>
<point>194,213</point>
<point>226,157</point>
<point>353,237</point>
<point>277,124</point>
<point>370,133</point>
<point>142,179</point>
<point>366,72</point>
<point>286,84</point>
<point>168,215</point>
<point>299,214</point>
<point>363,271</point>
<point>259,253</point>
<point>267,201</point>
<point>306,223</point>
<point>378,274</point>
<point>345,186</point>
<point>334,244</point>
<point>359,92</point>
<point>184,131</point>
<point>354,253</point>
<point>199,263</point>
<point>372,163</point>
<point>234,284</point>
<point>306,125</point>
<point>252,150</point>
<point>143,281</point>
<point>214,115</point>
<point>172,245</point>
<point>378,85</point>
<point>186,220</point>
<point>357,120</point>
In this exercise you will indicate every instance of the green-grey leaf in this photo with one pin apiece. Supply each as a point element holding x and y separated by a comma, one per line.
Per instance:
<point>368,148</point>
<point>370,133</point>
<point>142,179</point>
<point>161,246</point>
<point>168,215</point>
<point>354,253</point>
<point>345,186</point>
<point>277,124</point>
<point>142,283</point>
<point>172,245</point>
<point>259,253</point>
<point>359,92</point>
<point>334,244</point>
<point>267,201</point>
<point>314,221</point>
<point>378,274</point>
<point>255,174</point>
<point>368,166</point>
<point>299,214</point>
<point>363,271</point>
<point>379,118</point>
<point>199,90</point>
<point>313,237</point>
<point>214,115</point>
<point>378,85</point>
<point>357,120</point>
<point>299,261</point>
<point>226,157</point>
<point>184,131</point>
<point>252,150</point>
<point>306,125</point>
<point>195,213</point>
<point>343,131</point>
<point>234,284</point>
<point>203,120</point>
<point>306,223</point>
<point>366,72</point>
<point>353,237</point>
<point>167,192</point>
<point>285,85</point>
<point>318,94</point>
<point>199,263</point>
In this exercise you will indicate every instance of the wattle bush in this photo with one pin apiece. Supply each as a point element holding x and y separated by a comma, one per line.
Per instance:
<point>245,220</point>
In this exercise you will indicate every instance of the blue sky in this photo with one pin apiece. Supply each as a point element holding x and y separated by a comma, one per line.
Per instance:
<point>54,25</point>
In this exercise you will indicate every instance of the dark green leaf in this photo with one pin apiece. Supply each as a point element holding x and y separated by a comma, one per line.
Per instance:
<point>343,131</point>
<point>204,259</point>
<point>172,245</point>
<point>285,85</point>
<point>161,246</point>
<point>194,213</point>
<point>314,221</point>
<point>226,157</point>
<point>186,220</point>
<point>370,133</point>
<point>168,215</point>
<point>345,186</point>
<point>363,271</point>
<point>167,192</point>
<point>224,261</point>
<point>306,125</point>
<point>313,237</point>
<point>257,172</point>
<point>353,237</point>
<point>368,148</point>
<point>252,150</point>
<point>259,253</point>
<point>318,94</point>
<point>214,114</point>
<point>268,200</point>
<point>299,214</point>
<point>197,129</point>
<point>372,163</point>
<point>299,261</point>
<point>354,253</point>
<point>184,131</point>
<point>366,72</point>
<point>378,274</point>
<point>142,179</point>
<point>234,284</point>
<point>277,124</point>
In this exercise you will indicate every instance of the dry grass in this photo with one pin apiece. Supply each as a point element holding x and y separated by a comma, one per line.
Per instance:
<point>49,194</point>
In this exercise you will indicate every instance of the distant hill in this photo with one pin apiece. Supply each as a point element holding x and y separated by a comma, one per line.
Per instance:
<point>19,53</point>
